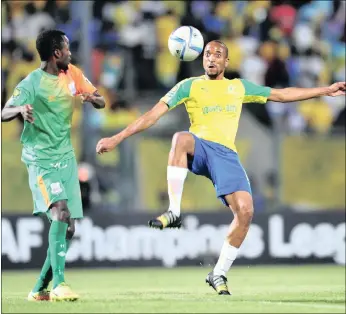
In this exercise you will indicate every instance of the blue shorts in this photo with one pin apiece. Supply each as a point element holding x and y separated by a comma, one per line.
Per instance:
<point>221,165</point>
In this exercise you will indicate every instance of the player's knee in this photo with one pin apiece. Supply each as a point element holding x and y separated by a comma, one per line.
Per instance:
<point>70,230</point>
<point>182,141</point>
<point>245,212</point>
<point>60,212</point>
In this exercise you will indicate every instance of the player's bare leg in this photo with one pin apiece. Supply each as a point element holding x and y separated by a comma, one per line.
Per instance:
<point>241,205</point>
<point>183,144</point>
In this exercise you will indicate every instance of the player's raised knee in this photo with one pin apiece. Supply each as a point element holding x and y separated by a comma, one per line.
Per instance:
<point>246,211</point>
<point>183,140</point>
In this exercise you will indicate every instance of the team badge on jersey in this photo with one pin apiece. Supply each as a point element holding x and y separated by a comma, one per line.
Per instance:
<point>230,89</point>
<point>72,88</point>
<point>16,93</point>
<point>56,188</point>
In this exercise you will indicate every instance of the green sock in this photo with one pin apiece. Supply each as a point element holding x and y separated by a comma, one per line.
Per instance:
<point>46,274</point>
<point>57,247</point>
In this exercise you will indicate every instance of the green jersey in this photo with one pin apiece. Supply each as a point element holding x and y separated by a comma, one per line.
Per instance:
<point>48,139</point>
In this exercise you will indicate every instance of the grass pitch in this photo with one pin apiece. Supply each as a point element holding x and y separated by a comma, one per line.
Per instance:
<point>269,289</point>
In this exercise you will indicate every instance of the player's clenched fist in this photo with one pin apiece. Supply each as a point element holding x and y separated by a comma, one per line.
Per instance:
<point>337,89</point>
<point>27,113</point>
<point>87,97</point>
<point>107,144</point>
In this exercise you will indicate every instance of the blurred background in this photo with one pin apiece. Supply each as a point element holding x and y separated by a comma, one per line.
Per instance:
<point>294,153</point>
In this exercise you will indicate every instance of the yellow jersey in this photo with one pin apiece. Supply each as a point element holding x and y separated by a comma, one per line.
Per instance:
<point>214,106</point>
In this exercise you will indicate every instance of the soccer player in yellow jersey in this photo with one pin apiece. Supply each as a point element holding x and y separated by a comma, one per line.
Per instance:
<point>214,105</point>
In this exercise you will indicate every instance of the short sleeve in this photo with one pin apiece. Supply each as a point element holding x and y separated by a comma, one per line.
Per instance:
<point>86,86</point>
<point>255,93</point>
<point>24,93</point>
<point>178,94</point>
<point>83,85</point>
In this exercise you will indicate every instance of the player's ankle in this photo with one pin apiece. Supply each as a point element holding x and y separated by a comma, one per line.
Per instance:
<point>219,272</point>
<point>175,211</point>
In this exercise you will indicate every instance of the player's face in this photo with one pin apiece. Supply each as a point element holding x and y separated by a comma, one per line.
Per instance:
<point>214,59</point>
<point>65,55</point>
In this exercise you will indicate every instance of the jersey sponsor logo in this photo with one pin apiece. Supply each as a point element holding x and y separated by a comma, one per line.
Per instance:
<point>16,93</point>
<point>218,108</point>
<point>209,109</point>
<point>56,188</point>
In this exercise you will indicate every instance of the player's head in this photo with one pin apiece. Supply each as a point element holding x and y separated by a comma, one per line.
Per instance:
<point>215,58</point>
<point>53,45</point>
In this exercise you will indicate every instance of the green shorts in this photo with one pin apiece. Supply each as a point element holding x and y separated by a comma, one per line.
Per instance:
<point>55,183</point>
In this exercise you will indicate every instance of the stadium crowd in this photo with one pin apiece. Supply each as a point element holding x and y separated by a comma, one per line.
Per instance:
<point>275,43</point>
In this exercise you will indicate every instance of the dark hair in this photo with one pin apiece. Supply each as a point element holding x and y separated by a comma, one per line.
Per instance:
<point>222,44</point>
<point>47,41</point>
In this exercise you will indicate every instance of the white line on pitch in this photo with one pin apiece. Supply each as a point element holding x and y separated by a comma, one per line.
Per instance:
<point>330,306</point>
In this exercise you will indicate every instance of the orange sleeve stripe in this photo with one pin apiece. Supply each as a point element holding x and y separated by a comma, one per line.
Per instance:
<point>43,190</point>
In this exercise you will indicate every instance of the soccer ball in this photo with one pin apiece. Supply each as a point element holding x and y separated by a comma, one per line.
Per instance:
<point>186,43</point>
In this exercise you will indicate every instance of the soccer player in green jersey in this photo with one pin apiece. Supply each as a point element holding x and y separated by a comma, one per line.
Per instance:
<point>45,99</point>
<point>214,106</point>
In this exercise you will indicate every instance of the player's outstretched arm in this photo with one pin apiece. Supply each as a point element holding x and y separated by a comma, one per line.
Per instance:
<point>295,93</point>
<point>142,123</point>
